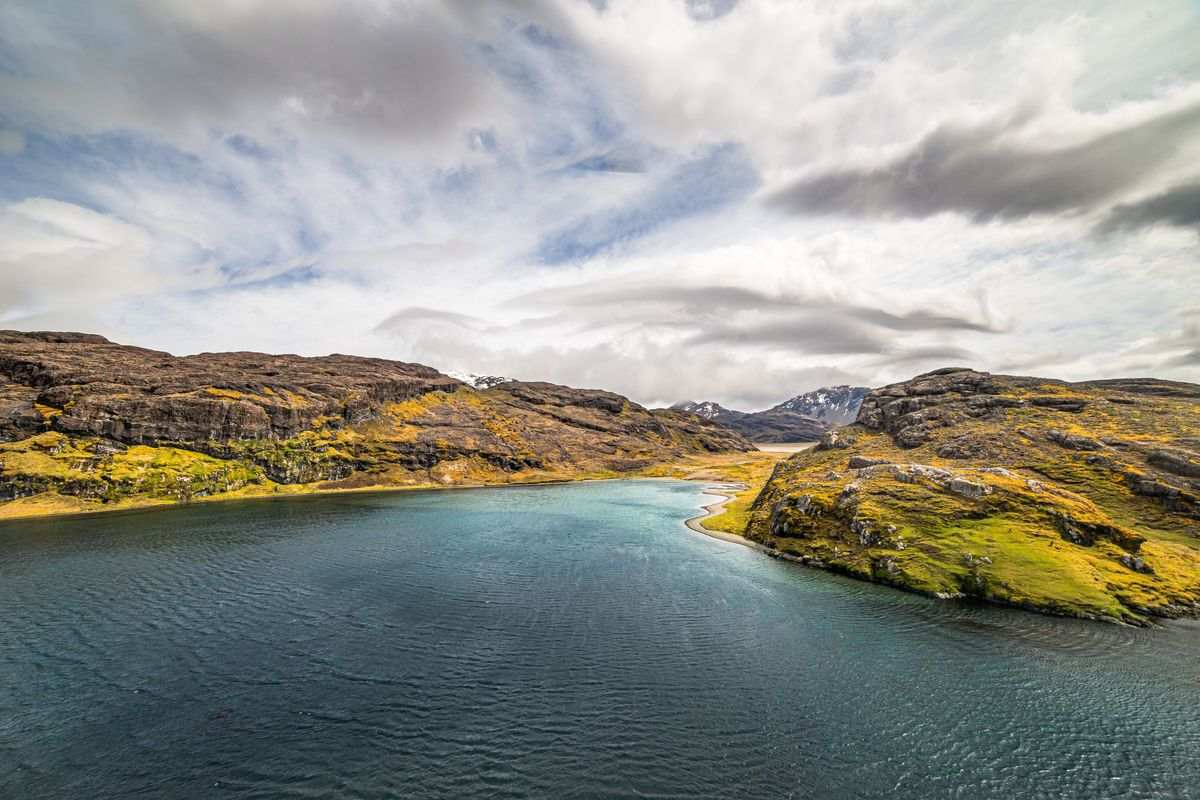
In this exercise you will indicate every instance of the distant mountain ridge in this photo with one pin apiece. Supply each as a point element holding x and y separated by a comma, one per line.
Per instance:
<point>708,410</point>
<point>836,405</point>
<point>479,381</point>
<point>803,418</point>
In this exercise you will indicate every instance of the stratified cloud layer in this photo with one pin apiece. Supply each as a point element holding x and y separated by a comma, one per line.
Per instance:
<point>1179,206</point>
<point>975,171</point>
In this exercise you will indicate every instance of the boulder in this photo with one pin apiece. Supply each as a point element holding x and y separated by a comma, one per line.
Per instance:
<point>1175,461</point>
<point>832,440</point>
<point>862,462</point>
<point>1068,404</point>
<point>968,489</point>
<point>1073,441</point>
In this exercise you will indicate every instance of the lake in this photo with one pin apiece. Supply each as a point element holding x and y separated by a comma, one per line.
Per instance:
<point>571,641</point>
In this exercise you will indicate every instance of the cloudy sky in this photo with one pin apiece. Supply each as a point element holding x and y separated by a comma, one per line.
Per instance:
<point>733,200</point>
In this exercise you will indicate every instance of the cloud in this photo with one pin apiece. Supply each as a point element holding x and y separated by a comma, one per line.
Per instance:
<point>653,374</point>
<point>943,354</point>
<point>570,190</point>
<point>978,172</point>
<point>405,317</point>
<point>708,10</point>
<point>12,142</point>
<point>1188,359</point>
<point>816,334</point>
<point>1178,206</point>
<point>381,73</point>
<point>53,253</point>
<point>1178,348</point>
<point>604,300</point>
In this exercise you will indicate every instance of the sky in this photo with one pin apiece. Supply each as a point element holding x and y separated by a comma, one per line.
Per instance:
<point>729,200</point>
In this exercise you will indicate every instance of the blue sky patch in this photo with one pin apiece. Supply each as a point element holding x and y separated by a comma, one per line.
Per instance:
<point>721,176</point>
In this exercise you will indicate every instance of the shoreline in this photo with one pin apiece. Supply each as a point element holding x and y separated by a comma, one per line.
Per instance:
<point>685,470</point>
<point>726,492</point>
<point>154,504</point>
<point>151,505</point>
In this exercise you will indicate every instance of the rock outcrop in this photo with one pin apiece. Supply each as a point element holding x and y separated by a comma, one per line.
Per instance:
<point>1072,498</point>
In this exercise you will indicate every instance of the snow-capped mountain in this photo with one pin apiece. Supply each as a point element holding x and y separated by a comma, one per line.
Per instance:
<point>708,410</point>
<point>836,405</point>
<point>479,381</point>
<point>802,419</point>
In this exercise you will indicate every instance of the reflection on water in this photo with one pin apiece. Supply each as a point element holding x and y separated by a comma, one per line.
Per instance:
<point>568,641</point>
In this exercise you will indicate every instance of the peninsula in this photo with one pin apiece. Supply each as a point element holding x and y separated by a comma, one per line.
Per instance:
<point>1081,499</point>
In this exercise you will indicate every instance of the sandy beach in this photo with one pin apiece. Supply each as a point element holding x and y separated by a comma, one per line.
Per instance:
<point>725,492</point>
<point>785,447</point>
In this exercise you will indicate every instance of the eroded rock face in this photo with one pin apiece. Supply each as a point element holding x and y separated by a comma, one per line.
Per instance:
<point>1088,533</point>
<point>87,385</point>
<point>914,411</point>
<point>290,419</point>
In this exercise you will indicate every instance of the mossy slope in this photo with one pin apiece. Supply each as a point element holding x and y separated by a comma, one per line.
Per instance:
<point>1074,499</point>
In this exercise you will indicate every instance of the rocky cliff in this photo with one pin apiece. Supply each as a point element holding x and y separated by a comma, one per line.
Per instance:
<point>1074,498</point>
<point>86,423</point>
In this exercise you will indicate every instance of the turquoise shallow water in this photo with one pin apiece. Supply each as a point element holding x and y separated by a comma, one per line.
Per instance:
<point>558,642</point>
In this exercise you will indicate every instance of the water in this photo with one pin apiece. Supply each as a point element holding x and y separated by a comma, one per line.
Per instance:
<point>558,642</point>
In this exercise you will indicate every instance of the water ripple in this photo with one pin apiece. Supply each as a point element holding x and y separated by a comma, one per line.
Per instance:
<point>561,642</point>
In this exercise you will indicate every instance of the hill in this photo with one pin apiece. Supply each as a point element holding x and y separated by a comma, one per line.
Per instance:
<point>1080,499</point>
<point>86,424</point>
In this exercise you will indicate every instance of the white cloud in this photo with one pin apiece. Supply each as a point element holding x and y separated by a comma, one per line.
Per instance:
<point>58,254</point>
<point>243,174</point>
<point>382,74</point>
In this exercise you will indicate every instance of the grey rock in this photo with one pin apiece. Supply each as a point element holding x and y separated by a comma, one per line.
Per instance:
<point>862,462</point>
<point>1175,461</point>
<point>1073,441</point>
<point>1067,404</point>
<point>833,440</point>
<point>974,561</point>
<point>966,488</point>
<point>1136,563</point>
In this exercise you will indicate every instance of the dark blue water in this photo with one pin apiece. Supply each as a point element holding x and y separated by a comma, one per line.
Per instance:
<point>557,642</point>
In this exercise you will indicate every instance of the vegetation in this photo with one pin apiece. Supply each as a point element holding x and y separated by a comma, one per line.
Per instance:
<point>747,473</point>
<point>1031,502</point>
<point>440,438</point>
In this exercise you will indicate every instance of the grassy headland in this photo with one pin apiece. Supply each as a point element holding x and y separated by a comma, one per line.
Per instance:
<point>1074,499</point>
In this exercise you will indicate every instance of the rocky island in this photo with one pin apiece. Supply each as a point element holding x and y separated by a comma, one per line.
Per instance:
<point>1081,499</point>
<point>86,424</point>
